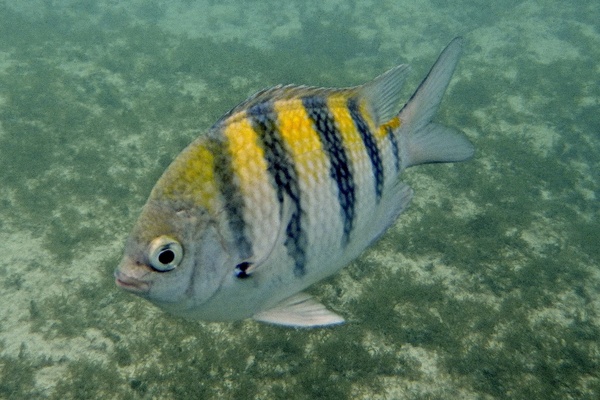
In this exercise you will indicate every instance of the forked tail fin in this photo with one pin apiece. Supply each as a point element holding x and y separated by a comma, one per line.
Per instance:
<point>422,141</point>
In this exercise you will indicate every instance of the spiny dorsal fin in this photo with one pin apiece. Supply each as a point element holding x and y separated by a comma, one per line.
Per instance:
<point>283,92</point>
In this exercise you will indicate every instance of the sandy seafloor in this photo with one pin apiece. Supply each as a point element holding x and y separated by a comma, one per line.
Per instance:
<point>487,288</point>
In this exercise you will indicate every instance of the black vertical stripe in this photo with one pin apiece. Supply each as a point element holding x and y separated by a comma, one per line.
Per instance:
<point>232,195</point>
<point>370,145</point>
<point>284,179</point>
<point>394,143</point>
<point>340,169</point>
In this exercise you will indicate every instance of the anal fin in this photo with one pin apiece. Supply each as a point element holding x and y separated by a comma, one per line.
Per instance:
<point>299,310</point>
<point>393,203</point>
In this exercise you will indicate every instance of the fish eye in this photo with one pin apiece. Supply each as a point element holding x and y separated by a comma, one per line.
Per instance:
<point>165,253</point>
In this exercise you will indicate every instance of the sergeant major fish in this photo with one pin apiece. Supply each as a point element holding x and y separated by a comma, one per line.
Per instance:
<point>284,190</point>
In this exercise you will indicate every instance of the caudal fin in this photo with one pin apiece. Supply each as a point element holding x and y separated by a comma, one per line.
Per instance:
<point>421,140</point>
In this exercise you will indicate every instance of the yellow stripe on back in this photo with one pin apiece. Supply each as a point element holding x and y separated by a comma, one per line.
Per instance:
<point>353,143</point>
<point>248,157</point>
<point>303,142</point>
<point>191,178</point>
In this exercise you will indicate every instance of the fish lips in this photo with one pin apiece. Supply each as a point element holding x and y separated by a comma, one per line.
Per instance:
<point>131,284</point>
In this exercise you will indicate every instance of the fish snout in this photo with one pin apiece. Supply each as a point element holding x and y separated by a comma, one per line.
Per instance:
<point>131,284</point>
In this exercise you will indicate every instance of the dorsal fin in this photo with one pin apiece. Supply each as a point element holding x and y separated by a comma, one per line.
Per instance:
<point>382,94</point>
<point>282,92</point>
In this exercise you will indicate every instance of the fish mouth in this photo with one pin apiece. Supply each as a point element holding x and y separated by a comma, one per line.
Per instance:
<point>131,284</point>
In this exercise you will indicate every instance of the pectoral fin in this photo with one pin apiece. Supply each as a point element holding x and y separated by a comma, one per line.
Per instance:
<point>299,310</point>
<point>247,267</point>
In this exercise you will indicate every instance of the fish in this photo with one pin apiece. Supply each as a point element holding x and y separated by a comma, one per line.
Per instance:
<point>283,191</point>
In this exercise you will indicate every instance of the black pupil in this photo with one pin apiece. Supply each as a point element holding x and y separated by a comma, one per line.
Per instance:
<point>166,256</point>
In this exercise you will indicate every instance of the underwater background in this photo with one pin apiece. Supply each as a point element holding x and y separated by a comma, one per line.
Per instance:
<point>488,287</point>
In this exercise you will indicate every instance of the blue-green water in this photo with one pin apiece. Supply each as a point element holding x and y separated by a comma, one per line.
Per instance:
<point>488,287</point>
